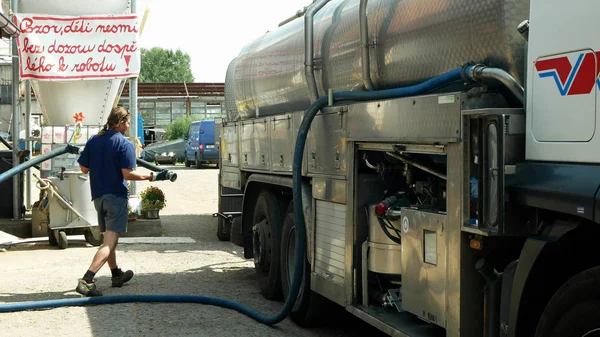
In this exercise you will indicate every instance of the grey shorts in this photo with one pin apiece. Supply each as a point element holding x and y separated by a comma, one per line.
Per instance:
<point>112,213</point>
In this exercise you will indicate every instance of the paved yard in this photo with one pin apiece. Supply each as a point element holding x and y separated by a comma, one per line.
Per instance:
<point>207,267</point>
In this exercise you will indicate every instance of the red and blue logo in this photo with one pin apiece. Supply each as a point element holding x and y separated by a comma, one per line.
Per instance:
<point>578,79</point>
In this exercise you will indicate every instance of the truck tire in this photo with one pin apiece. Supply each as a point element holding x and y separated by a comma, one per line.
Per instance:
<point>266,238</point>
<point>223,230</point>
<point>574,310</point>
<point>306,311</point>
<point>187,163</point>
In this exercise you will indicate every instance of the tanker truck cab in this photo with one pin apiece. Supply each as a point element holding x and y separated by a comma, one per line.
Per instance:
<point>464,201</point>
<point>200,147</point>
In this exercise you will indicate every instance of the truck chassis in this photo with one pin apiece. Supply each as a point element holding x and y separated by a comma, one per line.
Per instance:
<point>470,247</point>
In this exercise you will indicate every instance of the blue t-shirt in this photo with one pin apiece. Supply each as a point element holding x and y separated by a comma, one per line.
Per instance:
<point>105,156</point>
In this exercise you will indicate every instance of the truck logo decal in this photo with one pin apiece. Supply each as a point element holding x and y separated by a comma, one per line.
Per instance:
<point>578,79</point>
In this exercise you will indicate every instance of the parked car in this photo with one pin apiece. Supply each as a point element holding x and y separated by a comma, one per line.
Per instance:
<point>165,158</point>
<point>200,144</point>
<point>171,148</point>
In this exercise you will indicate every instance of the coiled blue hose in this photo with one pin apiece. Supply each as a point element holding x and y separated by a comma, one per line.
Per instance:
<point>444,79</point>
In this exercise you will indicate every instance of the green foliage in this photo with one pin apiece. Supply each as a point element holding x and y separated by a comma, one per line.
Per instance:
<point>179,128</point>
<point>153,198</point>
<point>163,65</point>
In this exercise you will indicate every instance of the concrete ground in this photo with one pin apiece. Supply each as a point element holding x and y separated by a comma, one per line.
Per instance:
<point>36,272</point>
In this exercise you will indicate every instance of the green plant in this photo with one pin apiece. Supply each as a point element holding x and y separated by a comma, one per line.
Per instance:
<point>153,198</point>
<point>179,128</point>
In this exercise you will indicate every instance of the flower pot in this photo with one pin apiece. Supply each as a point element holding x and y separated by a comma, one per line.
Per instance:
<point>152,214</point>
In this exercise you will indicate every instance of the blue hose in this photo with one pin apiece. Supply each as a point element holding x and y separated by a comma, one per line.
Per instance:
<point>51,154</point>
<point>312,111</point>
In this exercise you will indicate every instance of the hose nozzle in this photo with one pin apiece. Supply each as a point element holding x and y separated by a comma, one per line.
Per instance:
<point>172,176</point>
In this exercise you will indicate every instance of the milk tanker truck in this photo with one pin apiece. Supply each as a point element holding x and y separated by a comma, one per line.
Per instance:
<point>434,163</point>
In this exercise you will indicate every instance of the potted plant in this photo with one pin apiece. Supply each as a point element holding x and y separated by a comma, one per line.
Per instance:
<point>153,200</point>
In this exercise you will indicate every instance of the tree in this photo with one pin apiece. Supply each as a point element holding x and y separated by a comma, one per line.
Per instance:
<point>179,128</point>
<point>163,65</point>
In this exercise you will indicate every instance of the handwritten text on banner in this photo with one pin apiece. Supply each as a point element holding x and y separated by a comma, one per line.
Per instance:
<point>83,47</point>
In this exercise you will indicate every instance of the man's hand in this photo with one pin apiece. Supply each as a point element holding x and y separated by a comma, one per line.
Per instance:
<point>162,175</point>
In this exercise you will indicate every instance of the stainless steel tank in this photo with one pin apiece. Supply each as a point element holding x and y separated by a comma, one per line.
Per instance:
<point>385,256</point>
<point>414,40</point>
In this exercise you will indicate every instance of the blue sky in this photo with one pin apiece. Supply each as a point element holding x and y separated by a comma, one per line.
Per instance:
<point>211,32</point>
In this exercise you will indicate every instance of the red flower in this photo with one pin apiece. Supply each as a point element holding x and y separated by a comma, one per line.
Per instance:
<point>78,117</point>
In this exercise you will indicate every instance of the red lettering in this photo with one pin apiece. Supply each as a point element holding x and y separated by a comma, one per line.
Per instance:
<point>27,26</point>
<point>33,48</point>
<point>90,65</point>
<point>117,48</point>
<point>118,28</point>
<point>41,66</point>
<point>77,26</point>
<point>62,67</point>
<point>70,49</point>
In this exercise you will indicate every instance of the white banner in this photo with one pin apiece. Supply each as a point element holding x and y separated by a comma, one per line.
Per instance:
<point>60,48</point>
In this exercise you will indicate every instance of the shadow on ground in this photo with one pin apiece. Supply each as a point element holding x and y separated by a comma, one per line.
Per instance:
<point>233,279</point>
<point>177,319</point>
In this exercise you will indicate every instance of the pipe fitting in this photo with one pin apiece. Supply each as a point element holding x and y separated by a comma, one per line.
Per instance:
<point>480,73</point>
<point>523,29</point>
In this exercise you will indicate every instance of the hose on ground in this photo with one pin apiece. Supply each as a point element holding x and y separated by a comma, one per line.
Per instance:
<point>444,79</point>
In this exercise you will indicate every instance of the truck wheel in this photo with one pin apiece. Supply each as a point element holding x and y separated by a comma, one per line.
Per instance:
<point>198,163</point>
<point>223,230</point>
<point>574,310</point>
<point>306,310</point>
<point>266,244</point>
<point>187,163</point>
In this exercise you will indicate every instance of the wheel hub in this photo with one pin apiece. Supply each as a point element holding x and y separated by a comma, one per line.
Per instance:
<point>259,242</point>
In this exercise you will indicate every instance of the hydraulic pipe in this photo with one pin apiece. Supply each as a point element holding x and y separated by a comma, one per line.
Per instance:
<point>298,14</point>
<point>364,44</point>
<point>417,165</point>
<point>481,73</point>
<point>24,166</point>
<point>309,53</point>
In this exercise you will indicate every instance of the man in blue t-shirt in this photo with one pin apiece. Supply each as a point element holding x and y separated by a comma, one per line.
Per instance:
<point>110,160</point>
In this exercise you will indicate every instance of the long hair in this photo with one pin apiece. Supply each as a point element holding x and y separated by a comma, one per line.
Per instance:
<point>116,116</point>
